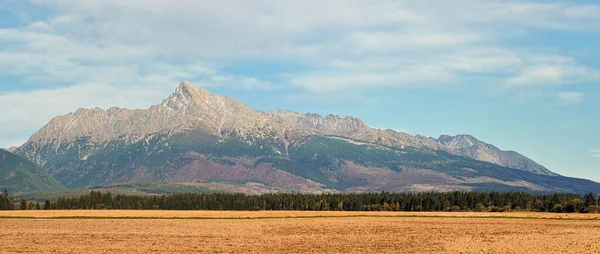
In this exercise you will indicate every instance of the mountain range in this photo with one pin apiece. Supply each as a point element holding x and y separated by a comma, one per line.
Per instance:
<point>196,138</point>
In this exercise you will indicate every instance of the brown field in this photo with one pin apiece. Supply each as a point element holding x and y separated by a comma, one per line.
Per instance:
<point>112,231</point>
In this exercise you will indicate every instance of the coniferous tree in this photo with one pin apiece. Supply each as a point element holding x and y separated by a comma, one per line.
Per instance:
<point>429,201</point>
<point>5,201</point>
<point>23,205</point>
<point>590,199</point>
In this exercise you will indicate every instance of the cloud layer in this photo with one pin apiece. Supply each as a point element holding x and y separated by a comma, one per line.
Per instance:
<point>383,42</point>
<point>112,52</point>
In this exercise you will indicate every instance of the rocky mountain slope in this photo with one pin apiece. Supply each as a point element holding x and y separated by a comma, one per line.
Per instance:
<point>216,142</point>
<point>17,174</point>
<point>469,146</point>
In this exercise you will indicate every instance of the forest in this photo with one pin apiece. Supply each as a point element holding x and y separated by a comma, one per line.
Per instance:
<point>381,201</point>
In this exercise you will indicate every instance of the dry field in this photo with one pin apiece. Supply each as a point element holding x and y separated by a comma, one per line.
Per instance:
<point>295,232</point>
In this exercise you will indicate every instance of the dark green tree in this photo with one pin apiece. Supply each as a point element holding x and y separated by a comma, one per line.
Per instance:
<point>428,201</point>
<point>589,199</point>
<point>23,205</point>
<point>5,201</point>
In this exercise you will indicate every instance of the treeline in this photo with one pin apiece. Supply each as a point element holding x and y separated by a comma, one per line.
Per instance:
<point>6,202</point>
<point>382,201</point>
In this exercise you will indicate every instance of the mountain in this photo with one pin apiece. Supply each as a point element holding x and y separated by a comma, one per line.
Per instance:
<point>17,174</point>
<point>213,142</point>
<point>469,146</point>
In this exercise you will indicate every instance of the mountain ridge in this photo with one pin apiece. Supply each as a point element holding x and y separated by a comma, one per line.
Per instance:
<point>469,146</point>
<point>197,136</point>
<point>20,175</point>
<point>223,116</point>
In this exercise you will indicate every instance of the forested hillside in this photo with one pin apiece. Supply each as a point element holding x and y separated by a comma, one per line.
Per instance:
<point>17,174</point>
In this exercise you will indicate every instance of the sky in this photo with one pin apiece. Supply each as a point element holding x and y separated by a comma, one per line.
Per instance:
<point>522,75</point>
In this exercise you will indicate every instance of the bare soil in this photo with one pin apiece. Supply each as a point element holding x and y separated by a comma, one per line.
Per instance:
<point>295,232</point>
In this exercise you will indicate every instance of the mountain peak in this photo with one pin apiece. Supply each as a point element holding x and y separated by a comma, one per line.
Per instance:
<point>185,83</point>
<point>469,146</point>
<point>459,141</point>
<point>186,87</point>
<point>187,94</point>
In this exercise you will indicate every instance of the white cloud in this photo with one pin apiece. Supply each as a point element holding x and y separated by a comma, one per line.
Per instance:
<point>538,75</point>
<point>553,75</point>
<point>582,12</point>
<point>404,41</point>
<point>543,14</point>
<point>241,82</point>
<point>595,153</point>
<point>570,97</point>
<point>484,60</point>
<point>416,75</point>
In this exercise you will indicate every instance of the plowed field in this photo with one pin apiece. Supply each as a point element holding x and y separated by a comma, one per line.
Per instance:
<point>295,232</point>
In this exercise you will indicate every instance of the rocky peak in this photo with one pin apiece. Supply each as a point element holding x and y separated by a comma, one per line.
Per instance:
<point>463,141</point>
<point>469,146</point>
<point>193,92</point>
<point>187,95</point>
<point>330,124</point>
<point>186,85</point>
<point>458,141</point>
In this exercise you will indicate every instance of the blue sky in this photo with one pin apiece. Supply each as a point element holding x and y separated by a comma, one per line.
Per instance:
<point>523,75</point>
